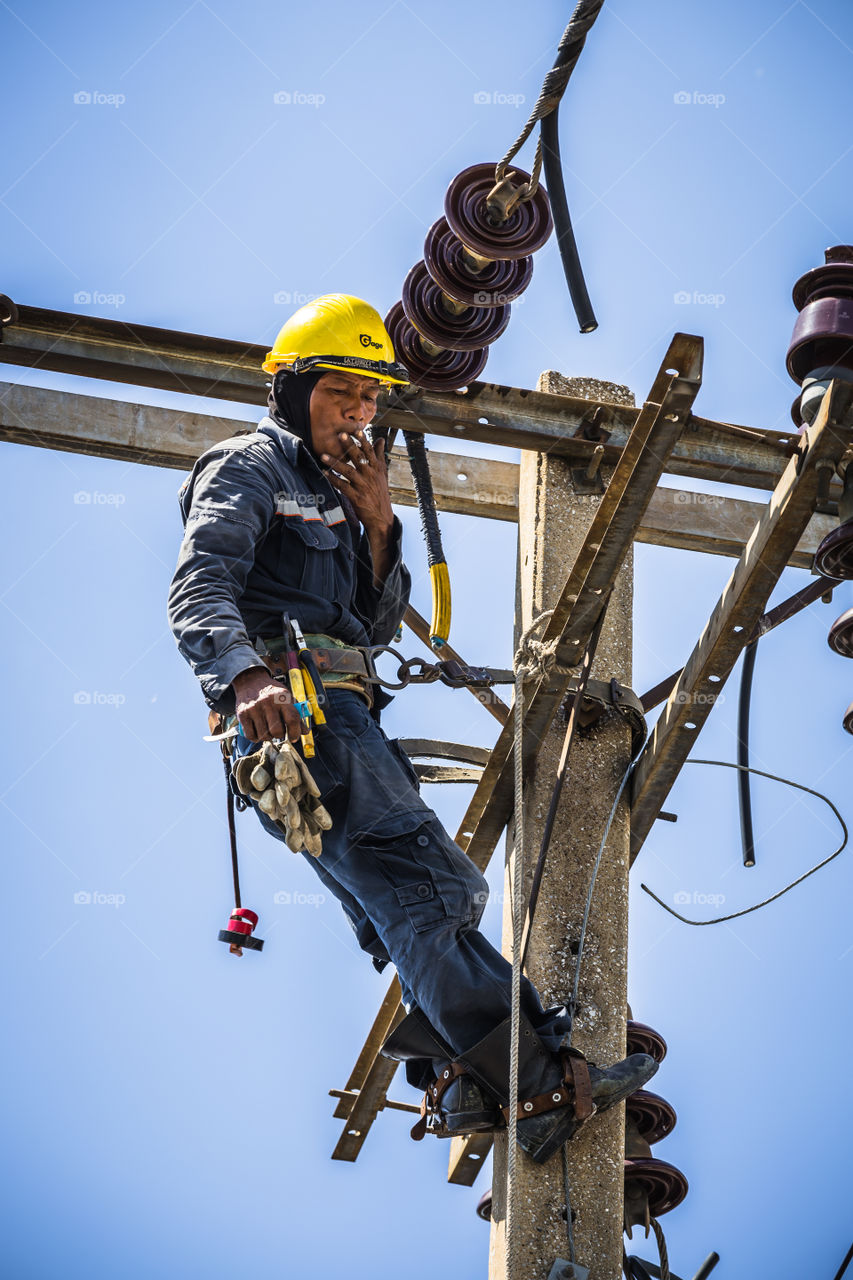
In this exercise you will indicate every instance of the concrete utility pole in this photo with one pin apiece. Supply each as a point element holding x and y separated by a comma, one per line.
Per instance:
<point>553,520</point>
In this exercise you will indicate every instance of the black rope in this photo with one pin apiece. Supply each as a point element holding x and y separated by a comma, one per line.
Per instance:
<point>747,835</point>
<point>232,833</point>
<point>726,764</point>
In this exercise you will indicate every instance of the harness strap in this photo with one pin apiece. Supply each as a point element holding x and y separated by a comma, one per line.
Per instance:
<point>432,1117</point>
<point>576,1089</point>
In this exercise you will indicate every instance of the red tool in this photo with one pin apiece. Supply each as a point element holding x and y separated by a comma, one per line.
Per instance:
<point>241,926</point>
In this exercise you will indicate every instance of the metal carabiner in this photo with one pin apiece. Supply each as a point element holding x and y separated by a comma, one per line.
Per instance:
<point>370,654</point>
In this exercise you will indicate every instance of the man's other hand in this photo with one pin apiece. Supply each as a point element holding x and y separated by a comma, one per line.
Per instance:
<point>264,707</point>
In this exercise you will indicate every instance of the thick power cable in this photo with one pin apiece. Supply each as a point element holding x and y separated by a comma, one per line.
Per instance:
<point>548,150</point>
<point>554,85</point>
<point>747,834</point>
<point>727,764</point>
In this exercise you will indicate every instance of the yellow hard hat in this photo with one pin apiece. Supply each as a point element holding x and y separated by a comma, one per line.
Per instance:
<point>337,331</point>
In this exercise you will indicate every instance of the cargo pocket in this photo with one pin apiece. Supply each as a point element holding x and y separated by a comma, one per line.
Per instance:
<point>402,857</point>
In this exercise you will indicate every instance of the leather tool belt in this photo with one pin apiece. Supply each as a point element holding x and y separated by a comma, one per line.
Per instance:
<point>332,660</point>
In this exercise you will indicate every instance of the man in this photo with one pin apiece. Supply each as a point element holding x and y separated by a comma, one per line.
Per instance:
<point>296,519</point>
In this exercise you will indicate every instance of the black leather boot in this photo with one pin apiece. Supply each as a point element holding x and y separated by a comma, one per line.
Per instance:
<point>557,1093</point>
<point>454,1102</point>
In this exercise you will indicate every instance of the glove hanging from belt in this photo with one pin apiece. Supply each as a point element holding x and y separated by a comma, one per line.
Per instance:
<point>278,779</point>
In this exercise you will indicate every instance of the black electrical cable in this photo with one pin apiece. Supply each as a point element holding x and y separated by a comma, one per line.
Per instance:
<point>845,1264</point>
<point>548,153</point>
<point>416,450</point>
<point>727,764</point>
<point>566,242</point>
<point>747,834</point>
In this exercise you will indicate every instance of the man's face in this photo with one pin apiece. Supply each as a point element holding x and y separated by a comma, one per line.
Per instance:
<point>340,404</point>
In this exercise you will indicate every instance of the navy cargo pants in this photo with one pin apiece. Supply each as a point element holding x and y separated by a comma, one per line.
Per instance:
<point>410,893</point>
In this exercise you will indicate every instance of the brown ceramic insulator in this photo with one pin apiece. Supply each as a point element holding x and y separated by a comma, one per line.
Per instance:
<point>840,637</point>
<point>652,1116</point>
<point>643,1039</point>
<point>8,310</point>
<point>441,370</point>
<point>484,1206</point>
<point>654,1185</point>
<point>848,719</point>
<point>522,233</point>
<point>834,556</point>
<point>472,328</point>
<point>495,284</point>
<point>823,333</point>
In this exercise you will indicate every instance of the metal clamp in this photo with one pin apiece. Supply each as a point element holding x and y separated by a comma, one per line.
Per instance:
<point>450,671</point>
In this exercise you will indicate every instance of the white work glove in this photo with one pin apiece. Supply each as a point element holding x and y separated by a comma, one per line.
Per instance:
<point>279,780</point>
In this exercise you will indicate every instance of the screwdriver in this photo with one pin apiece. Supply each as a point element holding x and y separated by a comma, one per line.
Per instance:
<point>314,684</point>
<point>297,688</point>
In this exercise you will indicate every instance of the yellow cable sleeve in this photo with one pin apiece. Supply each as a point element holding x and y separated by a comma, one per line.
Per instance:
<point>440,625</point>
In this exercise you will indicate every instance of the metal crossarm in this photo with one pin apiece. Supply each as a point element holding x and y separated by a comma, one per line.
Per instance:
<point>518,418</point>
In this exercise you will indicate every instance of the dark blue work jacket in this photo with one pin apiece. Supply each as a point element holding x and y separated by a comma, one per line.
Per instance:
<point>264,534</point>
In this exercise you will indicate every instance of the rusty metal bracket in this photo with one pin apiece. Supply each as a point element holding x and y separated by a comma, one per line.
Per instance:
<point>601,696</point>
<point>588,479</point>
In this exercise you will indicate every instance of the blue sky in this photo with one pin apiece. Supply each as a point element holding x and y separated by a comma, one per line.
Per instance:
<point>167,1108</point>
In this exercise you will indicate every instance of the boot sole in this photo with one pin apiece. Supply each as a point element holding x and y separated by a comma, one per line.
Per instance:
<point>561,1134</point>
<point>566,1131</point>
<point>456,1126</point>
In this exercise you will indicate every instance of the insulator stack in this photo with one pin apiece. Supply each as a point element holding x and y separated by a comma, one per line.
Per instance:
<point>822,350</point>
<point>477,261</point>
<point>652,1186</point>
